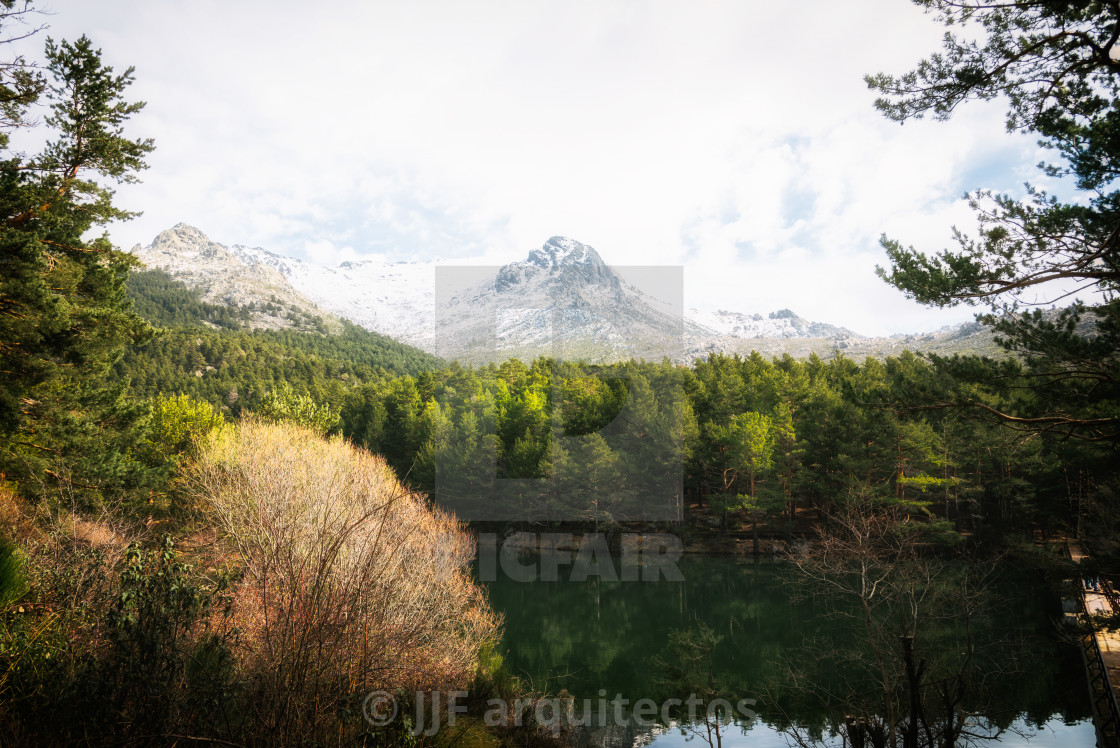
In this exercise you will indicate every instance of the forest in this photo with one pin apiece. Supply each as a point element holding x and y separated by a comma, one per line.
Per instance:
<point>750,439</point>
<point>754,437</point>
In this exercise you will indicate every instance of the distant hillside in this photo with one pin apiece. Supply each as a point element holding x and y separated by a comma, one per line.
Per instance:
<point>563,299</point>
<point>208,351</point>
<point>968,338</point>
<point>166,302</point>
<point>782,324</point>
<point>257,294</point>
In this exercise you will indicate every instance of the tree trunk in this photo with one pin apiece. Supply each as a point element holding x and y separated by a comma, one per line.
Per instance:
<point>914,685</point>
<point>857,732</point>
<point>754,518</point>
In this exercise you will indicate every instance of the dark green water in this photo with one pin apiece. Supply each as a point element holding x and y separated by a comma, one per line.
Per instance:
<point>596,638</point>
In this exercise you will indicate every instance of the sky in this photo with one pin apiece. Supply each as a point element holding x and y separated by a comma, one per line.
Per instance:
<point>735,139</point>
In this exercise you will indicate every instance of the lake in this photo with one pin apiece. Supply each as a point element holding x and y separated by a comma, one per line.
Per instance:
<point>782,643</point>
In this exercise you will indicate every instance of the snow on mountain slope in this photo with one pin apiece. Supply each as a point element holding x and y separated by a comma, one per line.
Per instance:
<point>395,299</point>
<point>563,299</point>
<point>780,324</point>
<point>226,276</point>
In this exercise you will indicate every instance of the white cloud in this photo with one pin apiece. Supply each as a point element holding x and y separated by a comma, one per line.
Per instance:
<point>737,139</point>
<point>326,252</point>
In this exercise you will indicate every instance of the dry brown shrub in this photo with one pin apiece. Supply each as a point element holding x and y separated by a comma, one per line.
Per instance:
<point>98,533</point>
<point>351,582</point>
<point>17,520</point>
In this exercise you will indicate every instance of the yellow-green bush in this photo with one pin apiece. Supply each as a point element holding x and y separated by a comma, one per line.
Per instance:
<point>282,403</point>
<point>179,421</point>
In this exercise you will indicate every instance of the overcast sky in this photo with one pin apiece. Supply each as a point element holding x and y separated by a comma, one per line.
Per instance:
<point>735,139</point>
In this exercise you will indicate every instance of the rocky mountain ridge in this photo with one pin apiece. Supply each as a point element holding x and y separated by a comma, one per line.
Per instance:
<point>233,276</point>
<point>562,300</point>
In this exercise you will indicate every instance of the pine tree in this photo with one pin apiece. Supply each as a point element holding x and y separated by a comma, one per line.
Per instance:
<point>20,81</point>
<point>1056,64</point>
<point>64,316</point>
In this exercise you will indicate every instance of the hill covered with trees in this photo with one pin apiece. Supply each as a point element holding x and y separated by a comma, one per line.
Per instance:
<point>206,351</point>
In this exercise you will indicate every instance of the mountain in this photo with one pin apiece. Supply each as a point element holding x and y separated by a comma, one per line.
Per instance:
<point>235,277</point>
<point>208,351</point>
<point>563,300</point>
<point>394,299</point>
<point>780,324</point>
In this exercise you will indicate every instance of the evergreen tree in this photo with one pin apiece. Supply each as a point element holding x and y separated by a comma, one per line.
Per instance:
<point>745,449</point>
<point>283,403</point>
<point>20,82</point>
<point>64,315</point>
<point>1056,63</point>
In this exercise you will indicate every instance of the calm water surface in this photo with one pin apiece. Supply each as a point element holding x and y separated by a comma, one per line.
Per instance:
<point>599,639</point>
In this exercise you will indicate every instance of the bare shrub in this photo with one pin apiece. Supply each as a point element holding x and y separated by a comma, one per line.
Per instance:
<point>924,664</point>
<point>350,582</point>
<point>17,521</point>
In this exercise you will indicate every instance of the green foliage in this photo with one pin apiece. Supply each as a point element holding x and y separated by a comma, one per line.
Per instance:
<point>493,679</point>
<point>179,421</point>
<point>359,345</point>
<point>727,503</point>
<point>143,649</point>
<point>166,302</point>
<point>165,669</point>
<point>64,317</point>
<point>232,367</point>
<point>283,404</point>
<point>1052,64</point>
<point>179,424</point>
<point>21,83</point>
<point>13,584</point>
<point>590,402</point>
<point>746,444</point>
<point>810,433</point>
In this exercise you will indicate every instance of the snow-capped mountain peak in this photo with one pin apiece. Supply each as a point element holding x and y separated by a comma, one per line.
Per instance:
<point>782,324</point>
<point>236,276</point>
<point>559,258</point>
<point>560,250</point>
